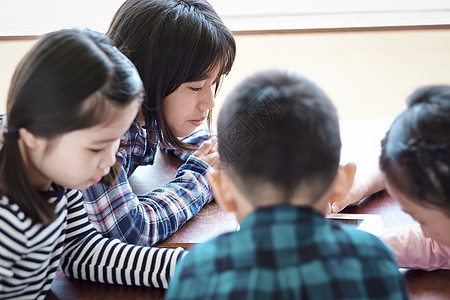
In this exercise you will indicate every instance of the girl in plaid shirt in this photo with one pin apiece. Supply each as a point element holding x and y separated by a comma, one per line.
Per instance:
<point>182,51</point>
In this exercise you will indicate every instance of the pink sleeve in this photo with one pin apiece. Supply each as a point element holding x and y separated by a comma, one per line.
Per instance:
<point>415,251</point>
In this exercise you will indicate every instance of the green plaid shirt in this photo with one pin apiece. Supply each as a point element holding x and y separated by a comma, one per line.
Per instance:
<point>289,252</point>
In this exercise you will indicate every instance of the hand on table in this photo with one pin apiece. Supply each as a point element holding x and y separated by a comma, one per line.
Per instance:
<point>365,184</point>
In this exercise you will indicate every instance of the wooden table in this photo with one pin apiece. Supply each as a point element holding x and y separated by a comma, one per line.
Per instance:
<point>209,222</point>
<point>423,285</point>
<point>212,221</point>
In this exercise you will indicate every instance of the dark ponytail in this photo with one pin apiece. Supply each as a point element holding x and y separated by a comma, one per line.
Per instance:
<point>15,184</point>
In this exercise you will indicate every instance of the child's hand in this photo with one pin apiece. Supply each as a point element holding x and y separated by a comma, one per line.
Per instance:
<point>356,194</point>
<point>208,153</point>
<point>365,184</point>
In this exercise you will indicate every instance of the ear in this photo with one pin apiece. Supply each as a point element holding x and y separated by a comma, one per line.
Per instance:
<point>222,191</point>
<point>29,139</point>
<point>342,182</point>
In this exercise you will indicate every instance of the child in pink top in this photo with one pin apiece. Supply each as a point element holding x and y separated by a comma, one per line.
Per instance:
<point>415,162</point>
<point>414,250</point>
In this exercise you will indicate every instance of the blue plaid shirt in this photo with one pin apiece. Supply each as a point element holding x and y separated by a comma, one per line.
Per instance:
<point>289,252</point>
<point>147,219</point>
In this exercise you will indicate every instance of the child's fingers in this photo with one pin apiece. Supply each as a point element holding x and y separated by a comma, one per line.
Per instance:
<point>208,153</point>
<point>329,211</point>
<point>215,147</point>
<point>211,174</point>
<point>350,199</point>
<point>335,208</point>
<point>213,160</point>
<point>206,147</point>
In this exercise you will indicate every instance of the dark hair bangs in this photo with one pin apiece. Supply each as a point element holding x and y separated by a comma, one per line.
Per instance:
<point>171,42</point>
<point>200,48</point>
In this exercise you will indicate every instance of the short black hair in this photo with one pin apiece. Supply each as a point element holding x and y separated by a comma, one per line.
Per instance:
<point>279,128</point>
<point>415,153</point>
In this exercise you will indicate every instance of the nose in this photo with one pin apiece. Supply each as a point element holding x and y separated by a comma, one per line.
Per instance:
<point>207,98</point>
<point>109,158</point>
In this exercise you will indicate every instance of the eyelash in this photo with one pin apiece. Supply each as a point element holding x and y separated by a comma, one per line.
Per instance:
<point>196,89</point>
<point>96,150</point>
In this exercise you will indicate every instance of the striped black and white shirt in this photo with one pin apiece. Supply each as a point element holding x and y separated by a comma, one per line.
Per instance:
<point>30,252</point>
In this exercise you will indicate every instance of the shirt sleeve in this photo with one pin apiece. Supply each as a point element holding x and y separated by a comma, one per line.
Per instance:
<point>89,256</point>
<point>147,219</point>
<point>415,251</point>
<point>196,139</point>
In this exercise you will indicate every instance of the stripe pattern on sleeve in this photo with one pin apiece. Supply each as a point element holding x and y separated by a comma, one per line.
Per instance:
<point>30,253</point>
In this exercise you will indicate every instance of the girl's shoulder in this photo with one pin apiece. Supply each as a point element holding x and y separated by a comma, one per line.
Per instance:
<point>135,149</point>
<point>73,196</point>
<point>75,201</point>
<point>13,218</point>
<point>13,215</point>
<point>12,209</point>
<point>136,133</point>
<point>9,207</point>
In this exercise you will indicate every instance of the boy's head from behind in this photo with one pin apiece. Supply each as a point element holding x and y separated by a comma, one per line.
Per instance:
<point>279,140</point>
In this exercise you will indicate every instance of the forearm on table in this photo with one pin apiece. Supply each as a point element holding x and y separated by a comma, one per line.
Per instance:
<point>89,256</point>
<point>375,183</point>
<point>152,217</point>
